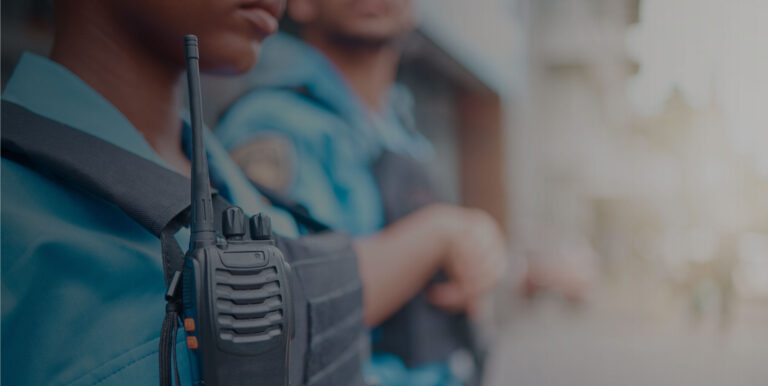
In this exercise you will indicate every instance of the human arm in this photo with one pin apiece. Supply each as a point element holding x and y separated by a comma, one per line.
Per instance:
<point>401,259</point>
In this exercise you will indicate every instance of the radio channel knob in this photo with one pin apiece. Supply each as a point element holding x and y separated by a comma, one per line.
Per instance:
<point>261,227</point>
<point>233,223</point>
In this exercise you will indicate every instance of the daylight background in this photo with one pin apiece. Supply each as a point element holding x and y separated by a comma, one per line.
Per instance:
<point>632,139</point>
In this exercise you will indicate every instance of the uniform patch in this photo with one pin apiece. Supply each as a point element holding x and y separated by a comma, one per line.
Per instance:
<point>268,161</point>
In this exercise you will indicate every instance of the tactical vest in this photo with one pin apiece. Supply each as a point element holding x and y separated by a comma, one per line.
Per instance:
<point>419,333</point>
<point>330,343</point>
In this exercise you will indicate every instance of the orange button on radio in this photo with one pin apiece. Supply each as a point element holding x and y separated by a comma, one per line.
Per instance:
<point>189,325</point>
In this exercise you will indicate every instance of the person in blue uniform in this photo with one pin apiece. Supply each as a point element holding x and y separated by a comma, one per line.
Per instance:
<point>82,283</point>
<point>323,109</point>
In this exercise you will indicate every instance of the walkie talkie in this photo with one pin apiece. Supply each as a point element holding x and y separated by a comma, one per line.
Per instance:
<point>236,292</point>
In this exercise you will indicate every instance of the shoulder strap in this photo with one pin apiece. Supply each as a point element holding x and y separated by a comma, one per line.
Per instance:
<point>99,167</point>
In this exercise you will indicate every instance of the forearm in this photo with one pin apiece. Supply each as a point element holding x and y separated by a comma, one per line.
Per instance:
<point>399,261</point>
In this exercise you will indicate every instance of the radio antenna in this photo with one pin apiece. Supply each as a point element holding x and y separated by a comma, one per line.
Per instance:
<point>202,225</point>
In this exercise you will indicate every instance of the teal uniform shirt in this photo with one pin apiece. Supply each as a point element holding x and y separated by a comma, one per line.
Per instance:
<point>82,283</point>
<point>301,98</point>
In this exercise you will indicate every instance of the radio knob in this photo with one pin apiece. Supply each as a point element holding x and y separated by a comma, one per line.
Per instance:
<point>261,227</point>
<point>233,223</point>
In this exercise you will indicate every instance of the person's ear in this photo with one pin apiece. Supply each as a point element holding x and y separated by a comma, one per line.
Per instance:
<point>302,11</point>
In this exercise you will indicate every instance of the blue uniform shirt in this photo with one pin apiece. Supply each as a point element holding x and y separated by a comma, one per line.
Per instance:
<point>82,283</point>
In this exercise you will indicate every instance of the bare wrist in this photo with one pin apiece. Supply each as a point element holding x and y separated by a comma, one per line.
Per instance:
<point>445,224</point>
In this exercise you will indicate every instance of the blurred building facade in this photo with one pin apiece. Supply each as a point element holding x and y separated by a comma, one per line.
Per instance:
<point>566,141</point>
<point>599,179</point>
<point>629,128</point>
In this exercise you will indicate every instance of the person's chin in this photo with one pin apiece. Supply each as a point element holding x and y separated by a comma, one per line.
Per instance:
<point>237,62</point>
<point>247,61</point>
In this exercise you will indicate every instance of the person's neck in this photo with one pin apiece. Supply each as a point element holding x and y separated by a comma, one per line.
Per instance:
<point>370,70</point>
<point>140,85</point>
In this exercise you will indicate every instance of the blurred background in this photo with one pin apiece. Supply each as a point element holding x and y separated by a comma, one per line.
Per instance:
<point>620,142</point>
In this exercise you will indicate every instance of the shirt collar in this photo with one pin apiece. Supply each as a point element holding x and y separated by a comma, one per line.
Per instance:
<point>50,90</point>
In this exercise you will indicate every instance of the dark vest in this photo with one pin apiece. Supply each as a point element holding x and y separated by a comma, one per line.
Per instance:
<point>419,333</point>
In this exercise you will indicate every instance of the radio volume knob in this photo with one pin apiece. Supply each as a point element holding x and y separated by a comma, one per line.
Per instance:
<point>233,223</point>
<point>261,227</point>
